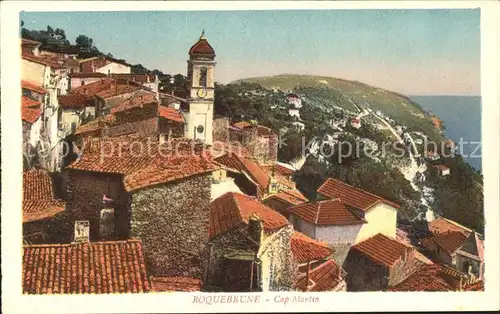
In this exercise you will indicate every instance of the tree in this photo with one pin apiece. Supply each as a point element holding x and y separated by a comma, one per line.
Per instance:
<point>85,42</point>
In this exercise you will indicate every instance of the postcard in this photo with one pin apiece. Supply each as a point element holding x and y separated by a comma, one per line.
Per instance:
<point>249,156</point>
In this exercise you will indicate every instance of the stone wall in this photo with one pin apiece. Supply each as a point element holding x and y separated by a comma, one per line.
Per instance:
<point>172,220</point>
<point>221,129</point>
<point>363,274</point>
<point>85,200</point>
<point>144,128</point>
<point>277,263</point>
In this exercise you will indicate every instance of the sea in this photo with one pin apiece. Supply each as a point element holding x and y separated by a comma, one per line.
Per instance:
<point>462,119</point>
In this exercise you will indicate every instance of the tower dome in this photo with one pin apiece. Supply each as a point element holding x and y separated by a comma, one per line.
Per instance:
<point>202,48</point>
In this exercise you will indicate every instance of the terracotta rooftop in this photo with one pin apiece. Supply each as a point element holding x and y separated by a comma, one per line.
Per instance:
<point>30,42</point>
<point>181,284</point>
<point>329,212</point>
<point>430,278</point>
<point>351,195</point>
<point>41,60</point>
<point>170,114</point>
<point>323,278</point>
<point>33,87</point>
<point>251,168</point>
<point>87,74</point>
<point>232,210</point>
<point>117,89</point>
<point>85,268</point>
<point>441,167</point>
<point>39,201</point>
<point>30,109</point>
<point>135,101</point>
<point>441,225</point>
<point>96,124</point>
<point>382,250</point>
<point>74,101</point>
<point>202,47</point>
<point>305,249</point>
<point>449,241</point>
<point>292,197</point>
<point>139,78</point>
<point>144,162</point>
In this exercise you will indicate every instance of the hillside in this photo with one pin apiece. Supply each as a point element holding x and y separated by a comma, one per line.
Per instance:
<point>398,107</point>
<point>399,172</point>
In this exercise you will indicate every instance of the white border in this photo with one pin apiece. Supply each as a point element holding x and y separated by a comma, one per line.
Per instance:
<point>14,302</point>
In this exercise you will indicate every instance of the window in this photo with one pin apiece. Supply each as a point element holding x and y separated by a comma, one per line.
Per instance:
<point>82,83</point>
<point>107,223</point>
<point>73,127</point>
<point>203,77</point>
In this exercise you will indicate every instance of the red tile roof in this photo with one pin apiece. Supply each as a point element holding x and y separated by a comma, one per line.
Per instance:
<point>30,109</point>
<point>330,212</point>
<point>251,168</point>
<point>139,78</point>
<point>202,47</point>
<point>74,101</point>
<point>242,124</point>
<point>33,87</point>
<point>430,278</point>
<point>87,74</point>
<point>29,42</point>
<point>323,278</point>
<point>477,286</point>
<point>288,196</point>
<point>41,60</point>
<point>232,210</point>
<point>144,162</point>
<point>117,89</point>
<point>182,284</point>
<point>442,225</point>
<point>382,250</point>
<point>351,195</point>
<point>441,167</point>
<point>85,268</point>
<point>96,124</point>
<point>135,102</point>
<point>171,114</point>
<point>284,170</point>
<point>449,241</point>
<point>305,249</point>
<point>39,201</point>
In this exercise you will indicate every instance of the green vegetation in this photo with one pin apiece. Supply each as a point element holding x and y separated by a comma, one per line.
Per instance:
<point>459,196</point>
<point>398,107</point>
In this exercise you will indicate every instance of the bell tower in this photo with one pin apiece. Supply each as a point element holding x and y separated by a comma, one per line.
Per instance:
<point>201,76</point>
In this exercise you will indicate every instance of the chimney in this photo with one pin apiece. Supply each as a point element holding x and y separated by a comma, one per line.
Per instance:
<point>82,231</point>
<point>307,274</point>
<point>255,228</point>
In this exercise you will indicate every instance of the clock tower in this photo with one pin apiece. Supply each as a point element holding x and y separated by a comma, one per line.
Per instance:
<point>200,74</point>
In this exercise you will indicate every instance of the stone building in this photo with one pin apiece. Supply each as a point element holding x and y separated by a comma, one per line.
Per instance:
<point>261,141</point>
<point>435,278</point>
<point>201,78</point>
<point>379,263</point>
<point>249,247</point>
<point>43,213</point>
<point>131,186</point>
<point>458,250</point>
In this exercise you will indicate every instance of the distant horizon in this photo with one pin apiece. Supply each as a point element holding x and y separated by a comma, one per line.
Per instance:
<point>408,51</point>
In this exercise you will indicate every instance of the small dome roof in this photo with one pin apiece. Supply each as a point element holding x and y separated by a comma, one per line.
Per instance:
<point>202,47</point>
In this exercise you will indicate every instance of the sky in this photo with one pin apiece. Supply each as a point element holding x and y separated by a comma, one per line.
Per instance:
<point>414,52</point>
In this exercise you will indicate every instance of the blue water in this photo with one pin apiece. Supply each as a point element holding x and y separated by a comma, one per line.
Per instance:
<point>462,119</point>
